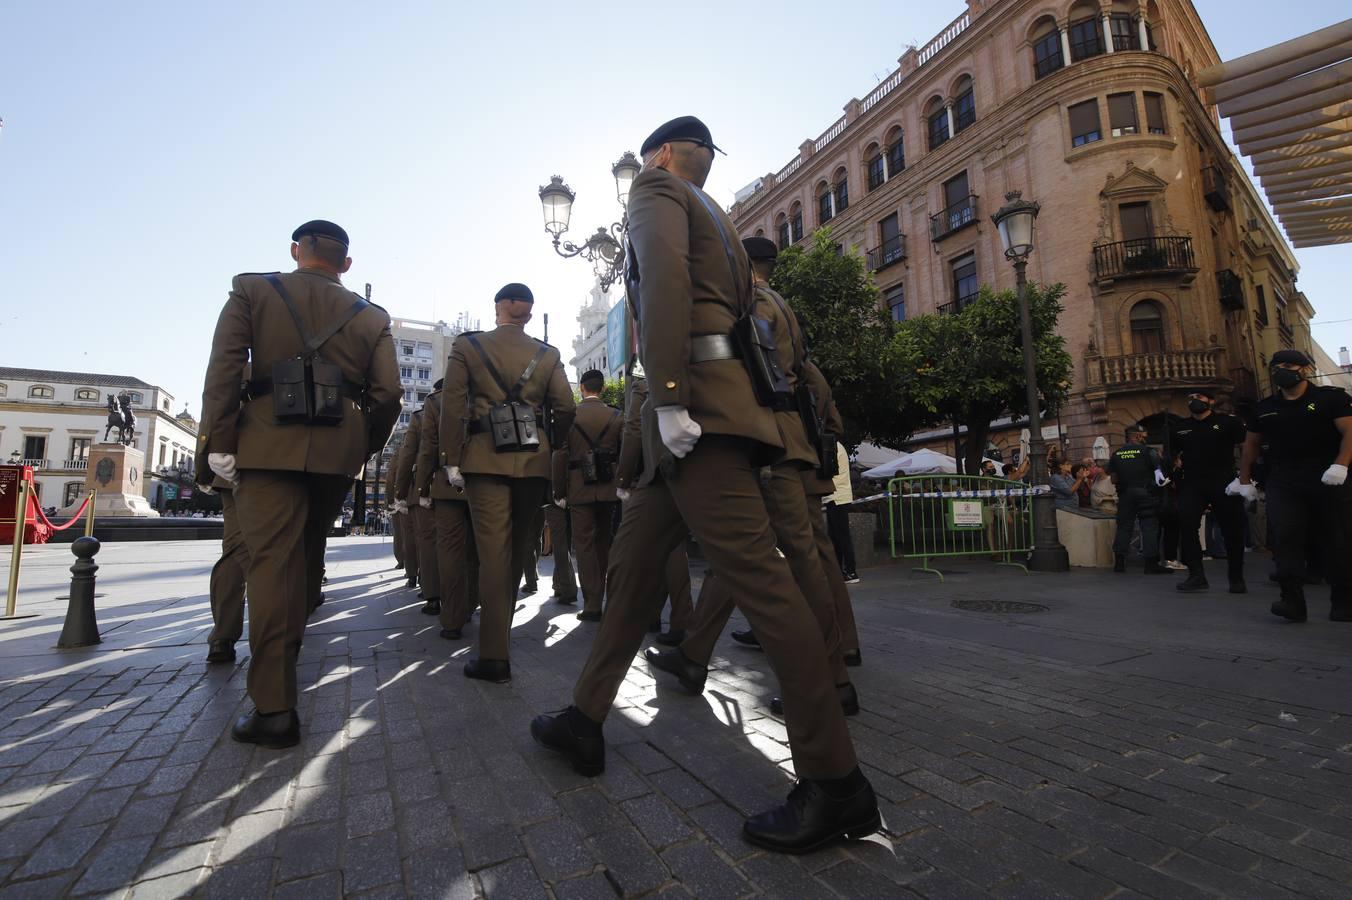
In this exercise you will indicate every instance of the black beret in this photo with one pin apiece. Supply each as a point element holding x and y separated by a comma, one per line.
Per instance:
<point>321,228</point>
<point>685,128</point>
<point>593,375</point>
<point>1293,357</point>
<point>515,291</point>
<point>760,248</point>
<point>1138,428</point>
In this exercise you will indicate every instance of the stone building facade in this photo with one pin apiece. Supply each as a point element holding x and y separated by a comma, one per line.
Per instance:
<point>591,345</point>
<point>1176,276</point>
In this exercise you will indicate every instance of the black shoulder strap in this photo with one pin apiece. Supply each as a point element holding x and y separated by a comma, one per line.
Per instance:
<point>591,444</point>
<point>530,370</point>
<point>511,393</point>
<point>789,322</point>
<point>727,247</point>
<point>313,343</point>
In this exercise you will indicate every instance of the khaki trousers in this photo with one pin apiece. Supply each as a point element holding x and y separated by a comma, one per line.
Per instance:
<point>429,569</point>
<point>410,544</point>
<point>591,545</point>
<point>503,511</point>
<point>840,592</point>
<point>397,537</point>
<point>227,578</point>
<point>323,510</point>
<point>716,493</point>
<point>564,582</point>
<point>457,562</point>
<point>676,585</point>
<point>529,565</point>
<point>790,518</point>
<point>279,514</point>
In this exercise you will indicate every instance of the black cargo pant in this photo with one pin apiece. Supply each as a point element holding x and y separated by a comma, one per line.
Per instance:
<point>1301,506</point>
<point>1138,504</point>
<point>1194,497</point>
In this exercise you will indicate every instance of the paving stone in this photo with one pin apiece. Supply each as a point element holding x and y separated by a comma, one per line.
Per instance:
<point>484,845</point>
<point>115,865</point>
<point>328,886</point>
<point>252,835</point>
<point>308,850</point>
<point>703,873</point>
<point>369,813</point>
<point>588,887</point>
<point>655,818</point>
<point>557,849</point>
<point>631,862</point>
<point>37,889</point>
<point>371,861</point>
<point>679,787</point>
<point>511,880</point>
<point>61,850</point>
<point>439,872</point>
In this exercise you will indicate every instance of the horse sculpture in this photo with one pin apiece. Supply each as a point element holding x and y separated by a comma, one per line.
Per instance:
<point>122,418</point>
<point>114,419</point>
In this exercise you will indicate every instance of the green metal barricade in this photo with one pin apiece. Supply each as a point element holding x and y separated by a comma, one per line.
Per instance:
<point>938,516</point>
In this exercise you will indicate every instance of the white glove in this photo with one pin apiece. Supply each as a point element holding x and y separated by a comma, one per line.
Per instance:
<point>400,506</point>
<point>622,494</point>
<point>1334,475</point>
<point>561,503</point>
<point>1248,491</point>
<point>425,502</point>
<point>1159,478</point>
<point>223,464</point>
<point>206,489</point>
<point>454,477</point>
<point>679,432</point>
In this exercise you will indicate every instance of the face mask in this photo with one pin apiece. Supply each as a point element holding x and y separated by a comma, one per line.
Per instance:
<point>1198,406</point>
<point>1286,378</point>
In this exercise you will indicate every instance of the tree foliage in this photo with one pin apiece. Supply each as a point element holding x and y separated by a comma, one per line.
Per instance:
<point>612,394</point>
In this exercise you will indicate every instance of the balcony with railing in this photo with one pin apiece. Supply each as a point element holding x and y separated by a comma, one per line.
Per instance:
<point>958,305</point>
<point>1144,257</point>
<point>955,218</point>
<point>890,251</point>
<point>1231,290</point>
<point>36,463</point>
<point>76,465</point>
<point>1140,371</point>
<point>1216,188</point>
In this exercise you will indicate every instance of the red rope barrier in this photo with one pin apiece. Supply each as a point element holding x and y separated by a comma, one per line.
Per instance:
<point>75,516</point>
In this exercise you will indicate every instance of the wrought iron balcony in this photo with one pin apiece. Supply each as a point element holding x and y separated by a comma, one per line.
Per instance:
<point>1144,257</point>
<point>1148,370</point>
<point>1231,289</point>
<point>955,218</point>
<point>958,305</point>
<point>892,250</point>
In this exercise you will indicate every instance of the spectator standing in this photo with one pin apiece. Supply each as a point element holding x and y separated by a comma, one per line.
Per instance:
<point>1135,469</point>
<point>838,517</point>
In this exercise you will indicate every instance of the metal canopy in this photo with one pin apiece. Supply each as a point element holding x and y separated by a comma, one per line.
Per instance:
<point>1290,110</point>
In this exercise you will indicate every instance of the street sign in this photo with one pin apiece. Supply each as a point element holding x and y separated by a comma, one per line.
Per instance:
<point>617,339</point>
<point>170,491</point>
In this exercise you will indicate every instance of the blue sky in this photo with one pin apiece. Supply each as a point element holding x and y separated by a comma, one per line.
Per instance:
<point>151,150</point>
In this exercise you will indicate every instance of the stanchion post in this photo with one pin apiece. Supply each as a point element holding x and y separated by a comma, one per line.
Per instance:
<point>81,628</point>
<point>20,523</point>
<point>89,514</point>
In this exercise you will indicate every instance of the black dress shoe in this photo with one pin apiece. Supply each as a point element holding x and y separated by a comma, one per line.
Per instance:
<point>575,736</point>
<point>1288,610</point>
<point>412,583</point>
<point>849,701</point>
<point>588,616</point>
<point>431,607</point>
<point>671,638</point>
<point>674,662</point>
<point>498,671</point>
<point>571,598</point>
<point>1192,584</point>
<point>746,638</point>
<point>220,652</point>
<point>530,588</point>
<point>852,658</point>
<point>450,634</point>
<point>1237,585</point>
<point>816,814</point>
<point>398,565</point>
<point>274,731</point>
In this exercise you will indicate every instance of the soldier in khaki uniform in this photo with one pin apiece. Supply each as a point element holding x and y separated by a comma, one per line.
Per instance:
<point>675,581</point>
<point>413,491</point>
<point>505,489</point>
<point>291,477</point>
<point>457,559</point>
<point>396,522</point>
<point>227,576</point>
<point>788,487</point>
<point>584,484</point>
<point>704,422</point>
<point>402,511</point>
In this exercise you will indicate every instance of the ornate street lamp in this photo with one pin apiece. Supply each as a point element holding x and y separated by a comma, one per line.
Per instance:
<point>604,249</point>
<point>1015,221</point>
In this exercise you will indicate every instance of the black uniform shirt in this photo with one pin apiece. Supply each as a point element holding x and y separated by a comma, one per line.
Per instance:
<point>1208,446</point>
<point>1301,432</point>
<point>1134,465</point>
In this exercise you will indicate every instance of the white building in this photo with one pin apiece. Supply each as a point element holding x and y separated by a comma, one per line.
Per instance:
<point>50,420</point>
<point>589,347</point>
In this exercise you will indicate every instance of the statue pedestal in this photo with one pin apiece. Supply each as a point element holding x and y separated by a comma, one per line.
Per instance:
<point>115,471</point>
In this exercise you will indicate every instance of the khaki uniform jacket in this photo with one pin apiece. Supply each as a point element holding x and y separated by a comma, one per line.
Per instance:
<point>687,288</point>
<point>604,425</point>
<point>406,462</point>
<point>813,483</point>
<point>792,355</point>
<point>255,325</point>
<point>631,437</point>
<point>469,388</point>
<point>430,475</point>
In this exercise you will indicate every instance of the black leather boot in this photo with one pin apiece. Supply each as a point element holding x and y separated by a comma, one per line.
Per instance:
<point>1237,585</point>
<point>1119,563</point>
<point>498,671</point>
<point>588,616</point>
<point>691,675</point>
<point>670,638</point>
<point>432,607</point>
<point>746,638</point>
<point>220,652</point>
<point>575,736</point>
<point>849,701</point>
<point>1292,604</point>
<point>275,731</point>
<point>1192,584</point>
<point>816,814</point>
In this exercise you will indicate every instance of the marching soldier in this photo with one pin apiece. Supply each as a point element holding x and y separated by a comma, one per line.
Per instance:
<point>505,385</point>
<point>227,576</point>
<point>324,396</point>
<point>396,522</point>
<point>712,428</point>
<point>413,491</point>
<point>403,462</point>
<point>1135,469</point>
<point>560,521</point>
<point>457,559</point>
<point>584,485</point>
<point>1207,442</point>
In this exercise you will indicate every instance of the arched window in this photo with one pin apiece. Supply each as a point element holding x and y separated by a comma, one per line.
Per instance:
<point>87,394</point>
<point>1147,327</point>
<point>964,104</point>
<point>782,231</point>
<point>41,392</point>
<point>936,118</point>
<point>826,203</point>
<point>896,153</point>
<point>875,166</point>
<point>841,186</point>
<point>1046,40</point>
<point>1086,31</point>
<point>796,221</point>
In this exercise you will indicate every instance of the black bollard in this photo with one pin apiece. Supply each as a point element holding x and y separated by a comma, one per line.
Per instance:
<point>81,628</point>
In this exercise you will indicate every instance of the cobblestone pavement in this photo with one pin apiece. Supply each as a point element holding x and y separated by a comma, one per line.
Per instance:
<point>1127,741</point>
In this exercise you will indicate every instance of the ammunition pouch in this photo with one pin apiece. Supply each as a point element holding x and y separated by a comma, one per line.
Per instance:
<point>597,464</point>
<point>513,424</point>
<point>755,343</point>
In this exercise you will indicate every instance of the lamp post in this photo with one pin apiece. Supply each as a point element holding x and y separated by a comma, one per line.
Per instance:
<point>604,249</point>
<point>1015,221</point>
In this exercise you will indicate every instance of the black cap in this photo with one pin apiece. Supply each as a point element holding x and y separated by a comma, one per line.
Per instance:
<point>321,228</point>
<point>1294,357</point>
<point>685,128</point>
<point>1138,428</point>
<point>515,291</point>
<point>760,248</point>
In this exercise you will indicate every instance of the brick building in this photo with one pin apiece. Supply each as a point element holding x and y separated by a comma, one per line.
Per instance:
<point>1176,276</point>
